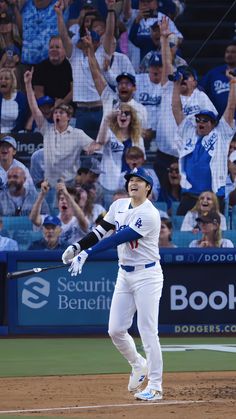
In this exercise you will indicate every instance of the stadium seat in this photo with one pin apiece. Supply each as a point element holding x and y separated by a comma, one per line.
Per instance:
<point>13,223</point>
<point>177,221</point>
<point>231,235</point>
<point>161,206</point>
<point>184,238</point>
<point>174,207</point>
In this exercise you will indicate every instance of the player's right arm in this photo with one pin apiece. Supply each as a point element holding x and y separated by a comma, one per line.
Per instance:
<point>102,230</point>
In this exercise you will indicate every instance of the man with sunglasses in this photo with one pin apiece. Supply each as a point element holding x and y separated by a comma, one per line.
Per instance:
<point>192,100</point>
<point>203,148</point>
<point>125,90</point>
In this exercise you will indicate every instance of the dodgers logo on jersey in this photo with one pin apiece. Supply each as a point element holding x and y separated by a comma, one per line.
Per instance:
<point>138,223</point>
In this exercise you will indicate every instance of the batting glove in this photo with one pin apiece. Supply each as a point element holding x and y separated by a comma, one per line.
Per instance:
<point>77,263</point>
<point>70,253</point>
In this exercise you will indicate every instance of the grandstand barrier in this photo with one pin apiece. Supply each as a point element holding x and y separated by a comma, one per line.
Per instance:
<point>199,294</point>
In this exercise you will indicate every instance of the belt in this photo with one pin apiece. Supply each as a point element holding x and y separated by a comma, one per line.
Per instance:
<point>129,268</point>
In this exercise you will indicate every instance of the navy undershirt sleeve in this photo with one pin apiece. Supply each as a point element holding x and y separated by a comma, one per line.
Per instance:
<point>122,236</point>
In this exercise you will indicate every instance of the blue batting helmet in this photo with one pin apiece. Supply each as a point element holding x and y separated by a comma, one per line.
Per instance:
<point>141,173</point>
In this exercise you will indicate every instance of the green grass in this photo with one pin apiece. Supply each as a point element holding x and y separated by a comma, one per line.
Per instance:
<point>73,356</point>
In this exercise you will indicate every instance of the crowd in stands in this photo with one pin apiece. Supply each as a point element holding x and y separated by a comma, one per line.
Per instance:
<point>105,85</point>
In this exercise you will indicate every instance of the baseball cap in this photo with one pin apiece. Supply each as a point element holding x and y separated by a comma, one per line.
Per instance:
<point>232,156</point>
<point>9,140</point>
<point>95,167</point>
<point>45,100</point>
<point>187,71</point>
<point>141,173</point>
<point>206,112</point>
<point>128,76</point>
<point>209,217</point>
<point>155,60</point>
<point>50,220</point>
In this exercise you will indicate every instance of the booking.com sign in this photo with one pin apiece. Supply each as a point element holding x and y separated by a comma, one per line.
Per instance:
<point>35,292</point>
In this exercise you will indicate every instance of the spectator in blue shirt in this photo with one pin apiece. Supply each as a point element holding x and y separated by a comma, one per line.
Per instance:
<point>216,83</point>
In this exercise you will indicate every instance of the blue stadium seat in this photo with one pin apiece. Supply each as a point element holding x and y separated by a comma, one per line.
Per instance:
<point>174,207</point>
<point>177,221</point>
<point>233,218</point>
<point>231,235</point>
<point>161,206</point>
<point>13,223</point>
<point>184,238</point>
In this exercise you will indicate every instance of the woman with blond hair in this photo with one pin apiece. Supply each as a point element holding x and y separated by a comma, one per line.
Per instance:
<point>207,201</point>
<point>14,108</point>
<point>209,225</point>
<point>119,130</point>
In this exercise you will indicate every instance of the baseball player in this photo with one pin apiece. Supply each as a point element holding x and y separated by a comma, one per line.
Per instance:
<point>139,283</point>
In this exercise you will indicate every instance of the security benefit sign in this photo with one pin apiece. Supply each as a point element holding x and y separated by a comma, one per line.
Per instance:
<point>198,298</point>
<point>54,298</point>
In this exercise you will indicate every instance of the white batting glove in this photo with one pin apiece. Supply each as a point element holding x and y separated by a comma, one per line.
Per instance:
<point>70,253</point>
<point>77,263</point>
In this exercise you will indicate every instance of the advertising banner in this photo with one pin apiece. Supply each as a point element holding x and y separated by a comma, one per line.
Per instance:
<point>199,294</point>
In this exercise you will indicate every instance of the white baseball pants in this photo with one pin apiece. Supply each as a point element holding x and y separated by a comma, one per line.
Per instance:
<point>138,291</point>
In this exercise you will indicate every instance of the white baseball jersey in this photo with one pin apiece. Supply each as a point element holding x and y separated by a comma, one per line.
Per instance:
<point>167,135</point>
<point>149,94</point>
<point>112,161</point>
<point>145,220</point>
<point>84,89</point>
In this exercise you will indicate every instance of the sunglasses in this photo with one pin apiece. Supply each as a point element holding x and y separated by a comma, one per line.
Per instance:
<point>172,170</point>
<point>126,113</point>
<point>204,120</point>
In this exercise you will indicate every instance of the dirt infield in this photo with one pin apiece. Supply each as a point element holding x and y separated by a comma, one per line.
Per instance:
<point>187,395</point>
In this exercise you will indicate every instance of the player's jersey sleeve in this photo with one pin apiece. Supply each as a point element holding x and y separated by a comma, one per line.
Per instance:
<point>110,215</point>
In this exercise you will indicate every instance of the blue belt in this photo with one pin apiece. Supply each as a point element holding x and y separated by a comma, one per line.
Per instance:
<point>128,268</point>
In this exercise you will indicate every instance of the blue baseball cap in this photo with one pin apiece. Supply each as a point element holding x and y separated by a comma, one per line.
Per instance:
<point>210,114</point>
<point>129,76</point>
<point>50,220</point>
<point>45,100</point>
<point>155,61</point>
<point>141,173</point>
<point>9,140</point>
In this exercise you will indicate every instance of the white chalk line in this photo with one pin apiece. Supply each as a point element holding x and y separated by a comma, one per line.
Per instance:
<point>104,406</point>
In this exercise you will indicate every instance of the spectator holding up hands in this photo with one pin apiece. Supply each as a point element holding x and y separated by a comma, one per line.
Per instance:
<point>62,143</point>
<point>85,96</point>
<point>203,148</point>
<point>74,224</point>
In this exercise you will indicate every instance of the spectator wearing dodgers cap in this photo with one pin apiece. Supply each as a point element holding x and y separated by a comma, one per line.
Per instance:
<point>203,148</point>
<point>51,236</point>
<point>8,151</point>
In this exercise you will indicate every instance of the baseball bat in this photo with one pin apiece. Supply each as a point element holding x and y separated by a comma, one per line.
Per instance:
<point>20,274</point>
